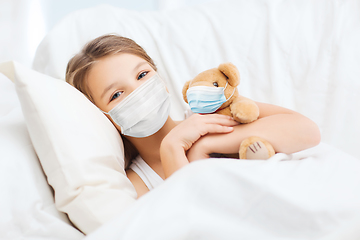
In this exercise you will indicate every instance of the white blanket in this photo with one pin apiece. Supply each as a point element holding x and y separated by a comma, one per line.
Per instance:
<point>312,194</point>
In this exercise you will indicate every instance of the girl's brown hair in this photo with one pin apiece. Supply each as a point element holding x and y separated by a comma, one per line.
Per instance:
<point>79,66</point>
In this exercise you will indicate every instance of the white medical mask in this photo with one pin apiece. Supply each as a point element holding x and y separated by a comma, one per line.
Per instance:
<point>203,99</point>
<point>144,111</point>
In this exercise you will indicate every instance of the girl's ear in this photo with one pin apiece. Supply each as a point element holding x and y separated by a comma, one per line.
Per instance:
<point>185,88</point>
<point>231,72</point>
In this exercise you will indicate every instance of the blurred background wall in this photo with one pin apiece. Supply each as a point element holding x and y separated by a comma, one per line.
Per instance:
<point>23,23</point>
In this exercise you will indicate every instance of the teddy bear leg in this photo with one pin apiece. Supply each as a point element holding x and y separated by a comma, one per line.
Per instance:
<point>256,148</point>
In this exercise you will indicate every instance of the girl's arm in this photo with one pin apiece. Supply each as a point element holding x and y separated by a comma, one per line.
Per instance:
<point>180,139</point>
<point>286,130</point>
<point>137,182</point>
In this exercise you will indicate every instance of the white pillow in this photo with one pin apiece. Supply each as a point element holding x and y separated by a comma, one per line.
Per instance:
<point>27,203</point>
<point>80,150</point>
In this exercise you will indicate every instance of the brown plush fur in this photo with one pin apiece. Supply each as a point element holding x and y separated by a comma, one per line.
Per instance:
<point>253,141</point>
<point>240,108</point>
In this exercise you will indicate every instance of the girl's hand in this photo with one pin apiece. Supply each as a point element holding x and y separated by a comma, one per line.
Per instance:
<point>180,139</point>
<point>189,131</point>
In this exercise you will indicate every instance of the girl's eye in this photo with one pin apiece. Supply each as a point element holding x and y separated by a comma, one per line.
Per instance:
<point>143,74</point>
<point>215,84</point>
<point>115,96</point>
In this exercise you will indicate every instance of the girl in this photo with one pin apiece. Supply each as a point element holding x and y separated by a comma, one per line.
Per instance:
<point>118,76</point>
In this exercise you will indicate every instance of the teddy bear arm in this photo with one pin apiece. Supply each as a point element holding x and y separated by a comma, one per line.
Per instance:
<point>244,110</point>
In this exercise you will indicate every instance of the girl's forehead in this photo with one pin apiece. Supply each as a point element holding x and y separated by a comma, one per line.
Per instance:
<point>113,68</point>
<point>122,57</point>
<point>121,62</point>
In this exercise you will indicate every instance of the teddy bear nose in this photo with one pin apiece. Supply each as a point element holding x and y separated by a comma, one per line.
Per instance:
<point>215,84</point>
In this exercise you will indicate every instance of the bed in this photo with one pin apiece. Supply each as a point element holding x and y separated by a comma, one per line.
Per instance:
<point>62,163</point>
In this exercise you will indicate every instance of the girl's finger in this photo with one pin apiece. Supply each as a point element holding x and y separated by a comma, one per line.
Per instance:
<point>216,128</point>
<point>221,119</point>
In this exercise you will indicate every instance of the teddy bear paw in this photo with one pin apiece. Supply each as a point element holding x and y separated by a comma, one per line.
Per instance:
<point>244,118</point>
<point>256,148</point>
<point>245,111</point>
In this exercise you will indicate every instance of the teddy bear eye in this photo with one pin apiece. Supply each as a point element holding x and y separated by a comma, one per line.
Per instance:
<point>215,84</point>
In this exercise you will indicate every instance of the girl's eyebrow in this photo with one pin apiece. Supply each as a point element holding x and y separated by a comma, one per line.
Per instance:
<point>138,66</point>
<point>114,83</point>
<point>107,89</point>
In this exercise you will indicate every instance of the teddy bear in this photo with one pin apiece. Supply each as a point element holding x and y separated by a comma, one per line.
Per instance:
<point>215,91</point>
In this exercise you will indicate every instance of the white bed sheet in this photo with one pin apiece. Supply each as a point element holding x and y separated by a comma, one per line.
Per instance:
<point>303,55</point>
<point>313,194</point>
<point>27,208</point>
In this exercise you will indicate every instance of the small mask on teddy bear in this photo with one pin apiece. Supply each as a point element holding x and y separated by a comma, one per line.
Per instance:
<point>215,91</point>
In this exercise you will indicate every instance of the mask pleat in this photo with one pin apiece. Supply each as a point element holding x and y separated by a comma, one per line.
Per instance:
<point>140,113</point>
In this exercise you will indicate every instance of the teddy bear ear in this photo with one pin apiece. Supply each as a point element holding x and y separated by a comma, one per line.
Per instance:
<point>184,90</point>
<point>231,72</point>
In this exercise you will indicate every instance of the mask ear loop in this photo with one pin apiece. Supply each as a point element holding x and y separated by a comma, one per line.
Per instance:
<point>231,94</point>
<point>104,112</point>
<point>190,84</point>
<point>108,113</point>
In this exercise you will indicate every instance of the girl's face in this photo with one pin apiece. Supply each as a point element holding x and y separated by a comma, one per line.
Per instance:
<point>114,77</point>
